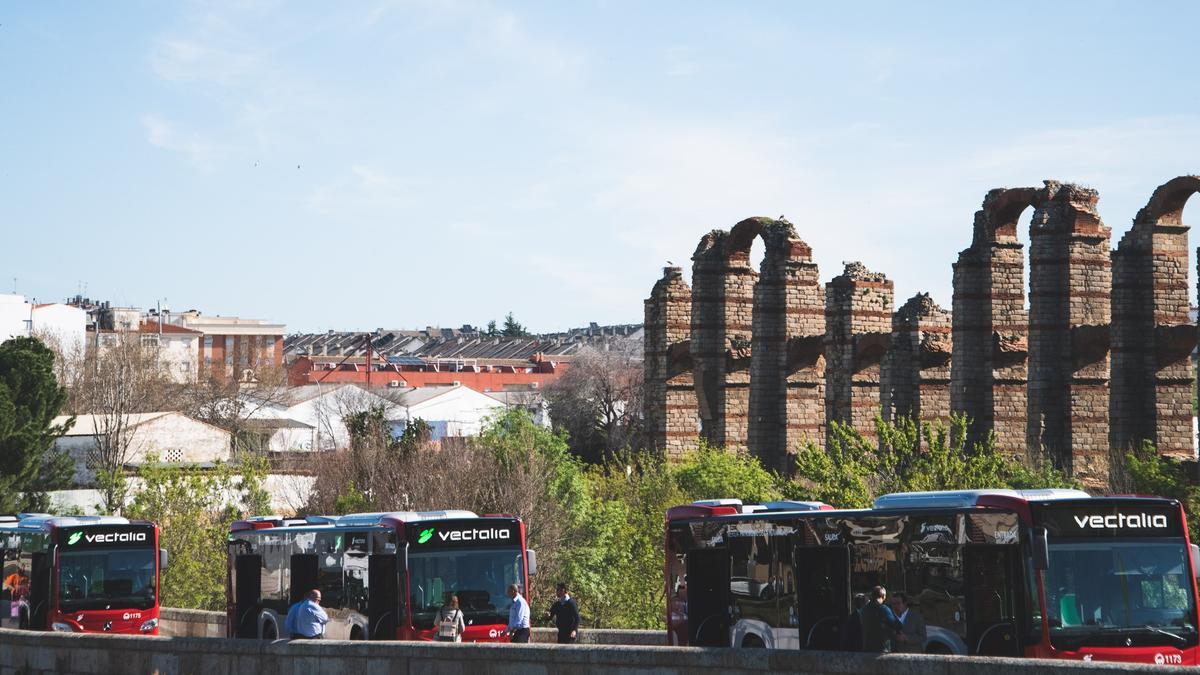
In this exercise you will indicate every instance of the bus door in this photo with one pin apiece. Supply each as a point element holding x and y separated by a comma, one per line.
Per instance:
<point>247,570</point>
<point>304,576</point>
<point>383,603</point>
<point>39,592</point>
<point>991,574</point>
<point>708,597</point>
<point>822,595</point>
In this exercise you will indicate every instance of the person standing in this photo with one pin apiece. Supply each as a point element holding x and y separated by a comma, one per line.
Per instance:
<point>912,625</point>
<point>450,621</point>
<point>518,616</point>
<point>853,634</point>
<point>879,624</point>
<point>306,620</point>
<point>566,616</point>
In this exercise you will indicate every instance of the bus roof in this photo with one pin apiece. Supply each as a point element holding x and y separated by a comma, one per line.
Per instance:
<point>970,498</point>
<point>40,521</point>
<point>705,508</point>
<point>378,519</point>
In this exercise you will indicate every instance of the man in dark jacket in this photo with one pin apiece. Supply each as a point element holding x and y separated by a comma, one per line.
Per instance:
<point>566,616</point>
<point>879,623</point>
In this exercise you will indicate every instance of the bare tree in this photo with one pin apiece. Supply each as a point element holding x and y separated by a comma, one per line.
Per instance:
<point>113,381</point>
<point>230,404</point>
<point>598,401</point>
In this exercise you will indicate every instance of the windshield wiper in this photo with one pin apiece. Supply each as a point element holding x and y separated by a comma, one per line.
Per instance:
<point>1168,633</point>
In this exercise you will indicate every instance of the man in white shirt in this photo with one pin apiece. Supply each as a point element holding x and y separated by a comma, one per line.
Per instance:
<point>518,616</point>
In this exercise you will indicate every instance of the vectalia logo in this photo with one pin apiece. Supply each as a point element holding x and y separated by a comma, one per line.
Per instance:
<point>425,536</point>
<point>1121,520</point>
<point>475,535</point>
<point>74,538</point>
<point>112,537</point>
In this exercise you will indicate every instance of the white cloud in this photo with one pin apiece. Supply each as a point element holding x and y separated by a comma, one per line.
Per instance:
<point>163,134</point>
<point>366,194</point>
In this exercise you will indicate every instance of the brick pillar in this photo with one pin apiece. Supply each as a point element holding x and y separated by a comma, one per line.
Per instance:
<point>858,326</point>
<point>917,370</point>
<point>786,362</point>
<point>1152,332</point>
<point>708,333</point>
<point>670,398</point>
<point>989,368</point>
<point>1070,283</point>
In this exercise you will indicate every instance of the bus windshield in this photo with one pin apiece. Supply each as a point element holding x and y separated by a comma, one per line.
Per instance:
<point>1113,593</point>
<point>478,577</point>
<point>109,578</point>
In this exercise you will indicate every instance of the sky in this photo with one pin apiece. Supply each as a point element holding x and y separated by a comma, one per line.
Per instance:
<point>400,164</point>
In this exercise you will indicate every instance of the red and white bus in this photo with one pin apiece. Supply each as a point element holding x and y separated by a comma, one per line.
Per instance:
<point>382,576</point>
<point>80,574</point>
<point>1037,573</point>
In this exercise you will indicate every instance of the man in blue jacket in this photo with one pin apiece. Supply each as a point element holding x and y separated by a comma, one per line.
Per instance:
<point>879,623</point>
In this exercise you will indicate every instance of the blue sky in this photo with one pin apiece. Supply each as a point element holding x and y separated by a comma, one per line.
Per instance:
<point>399,164</point>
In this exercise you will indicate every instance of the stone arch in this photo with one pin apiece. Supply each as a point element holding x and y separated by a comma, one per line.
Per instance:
<point>989,370</point>
<point>743,323</point>
<point>1152,330</point>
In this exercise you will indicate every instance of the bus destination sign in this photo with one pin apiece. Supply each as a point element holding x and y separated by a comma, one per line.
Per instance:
<point>105,536</point>
<point>1112,520</point>
<point>464,534</point>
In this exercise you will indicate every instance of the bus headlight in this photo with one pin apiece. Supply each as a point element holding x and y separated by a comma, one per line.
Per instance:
<point>149,625</point>
<point>61,627</point>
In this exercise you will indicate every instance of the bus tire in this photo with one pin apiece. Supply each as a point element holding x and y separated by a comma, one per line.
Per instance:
<point>357,633</point>
<point>269,631</point>
<point>753,642</point>
<point>937,648</point>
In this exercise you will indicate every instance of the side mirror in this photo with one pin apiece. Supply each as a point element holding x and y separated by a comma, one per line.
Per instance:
<point>1040,546</point>
<point>1196,560</point>
<point>531,556</point>
<point>162,559</point>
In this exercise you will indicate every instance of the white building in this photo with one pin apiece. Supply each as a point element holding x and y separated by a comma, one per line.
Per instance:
<point>449,411</point>
<point>173,437</point>
<point>64,324</point>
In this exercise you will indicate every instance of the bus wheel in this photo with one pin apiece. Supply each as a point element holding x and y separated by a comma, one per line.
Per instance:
<point>753,642</point>
<point>269,631</point>
<point>357,633</point>
<point>937,648</point>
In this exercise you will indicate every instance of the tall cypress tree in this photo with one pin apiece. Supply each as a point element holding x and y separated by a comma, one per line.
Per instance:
<point>30,399</point>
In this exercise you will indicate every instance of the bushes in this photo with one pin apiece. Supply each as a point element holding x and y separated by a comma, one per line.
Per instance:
<point>853,471</point>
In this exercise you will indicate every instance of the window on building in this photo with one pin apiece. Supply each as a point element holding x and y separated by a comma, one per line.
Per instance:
<point>150,340</point>
<point>229,350</point>
<point>208,346</point>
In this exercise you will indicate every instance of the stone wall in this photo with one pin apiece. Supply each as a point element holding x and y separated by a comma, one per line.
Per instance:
<point>858,324</point>
<point>1096,362</point>
<point>671,415</point>
<point>37,653</point>
<point>917,371</point>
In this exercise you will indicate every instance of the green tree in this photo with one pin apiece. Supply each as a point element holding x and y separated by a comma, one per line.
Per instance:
<point>194,508</point>
<point>852,471</point>
<point>1151,473</point>
<point>512,328</point>
<point>713,473</point>
<point>30,399</point>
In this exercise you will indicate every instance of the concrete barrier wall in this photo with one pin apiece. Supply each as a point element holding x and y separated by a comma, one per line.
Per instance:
<point>30,653</point>
<point>198,623</point>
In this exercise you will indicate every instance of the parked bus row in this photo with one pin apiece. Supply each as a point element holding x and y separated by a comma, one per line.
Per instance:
<point>1040,573</point>
<point>1037,573</point>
